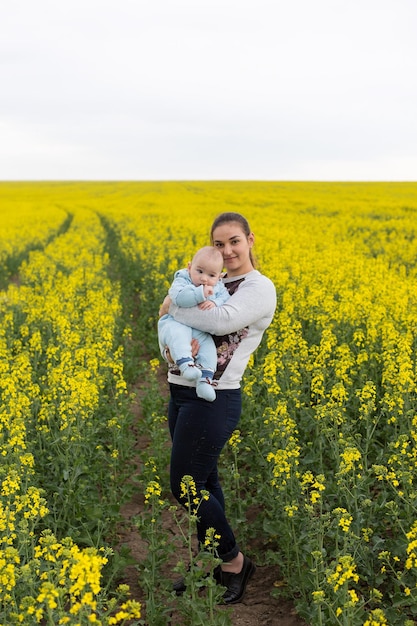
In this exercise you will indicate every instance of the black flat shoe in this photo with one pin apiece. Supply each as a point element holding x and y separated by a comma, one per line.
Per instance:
<point>179,586</point>
<point>236,583</point>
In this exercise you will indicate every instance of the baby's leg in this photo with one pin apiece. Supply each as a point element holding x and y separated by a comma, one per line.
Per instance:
<point>177,337</point>
<point>207,361</point>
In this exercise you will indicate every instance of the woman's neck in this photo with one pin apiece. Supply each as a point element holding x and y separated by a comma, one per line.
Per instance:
<point>240,271</point>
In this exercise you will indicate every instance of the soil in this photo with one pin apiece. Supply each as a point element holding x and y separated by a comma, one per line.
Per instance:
<point>258,607</point>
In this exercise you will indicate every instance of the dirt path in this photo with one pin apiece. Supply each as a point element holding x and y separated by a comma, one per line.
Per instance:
<point>258,607</point>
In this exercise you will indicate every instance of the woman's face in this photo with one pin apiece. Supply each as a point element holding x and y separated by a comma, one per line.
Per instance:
<point>235,247</point>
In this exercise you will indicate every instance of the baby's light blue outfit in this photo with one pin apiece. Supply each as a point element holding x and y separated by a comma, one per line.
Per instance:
<point>177,337</point>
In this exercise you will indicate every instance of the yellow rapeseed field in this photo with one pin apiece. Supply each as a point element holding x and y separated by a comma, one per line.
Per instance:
<point>326,449</point>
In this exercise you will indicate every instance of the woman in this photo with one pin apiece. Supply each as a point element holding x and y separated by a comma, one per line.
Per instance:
<point>200,429</point>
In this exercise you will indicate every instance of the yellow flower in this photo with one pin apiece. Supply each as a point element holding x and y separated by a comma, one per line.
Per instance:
<point>129,610</point>
<point>188,487</point>
<point>345,570</point>
<point>354,599</point>
<point>318,596</point>
<point>345,522</point>
<point>290,509</point>
<point>235,440</point>
<point>85,571</point>
<point>153,489</point>
<point>376,618</point>
<point>48,594</point>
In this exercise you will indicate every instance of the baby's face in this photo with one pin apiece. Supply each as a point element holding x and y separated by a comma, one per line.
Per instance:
<point>205,270</point>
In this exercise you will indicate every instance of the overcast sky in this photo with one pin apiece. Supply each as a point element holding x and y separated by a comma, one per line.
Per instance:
<point>208,89</point>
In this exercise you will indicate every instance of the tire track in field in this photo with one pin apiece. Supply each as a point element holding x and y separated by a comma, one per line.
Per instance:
<point>10,274</point>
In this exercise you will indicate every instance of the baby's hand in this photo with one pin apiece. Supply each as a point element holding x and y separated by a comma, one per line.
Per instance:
<point>208,291</point>
<point>208,304</point>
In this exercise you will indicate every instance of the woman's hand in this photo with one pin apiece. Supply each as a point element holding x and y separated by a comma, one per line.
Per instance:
<point>164,308</point>
<point>195,347</point>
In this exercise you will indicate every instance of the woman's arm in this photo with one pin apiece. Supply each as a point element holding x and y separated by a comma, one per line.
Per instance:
<point>254,300</point>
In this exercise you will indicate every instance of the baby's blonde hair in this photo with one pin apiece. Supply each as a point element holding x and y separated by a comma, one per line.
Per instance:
<point>209,251</point>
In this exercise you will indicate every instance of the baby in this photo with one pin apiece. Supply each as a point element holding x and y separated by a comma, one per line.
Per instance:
<point>198,284</point>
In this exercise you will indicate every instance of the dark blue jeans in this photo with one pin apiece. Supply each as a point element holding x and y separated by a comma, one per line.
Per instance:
<point>199,431</point>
